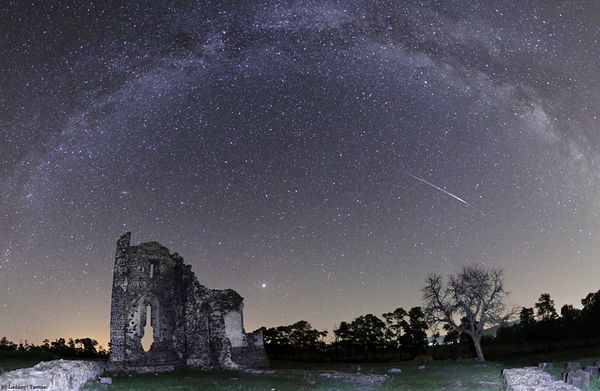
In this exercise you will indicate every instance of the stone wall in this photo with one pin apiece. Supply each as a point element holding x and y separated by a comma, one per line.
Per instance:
<point>234,328</point>
<point>532,379</point>
<point>193,326</point>
<point>118,304</point>
<point>250,357</point>
<point>57,375</point>
<point>253,354</point>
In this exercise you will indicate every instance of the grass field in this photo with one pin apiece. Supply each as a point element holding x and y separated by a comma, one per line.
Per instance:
<point>438,375</point>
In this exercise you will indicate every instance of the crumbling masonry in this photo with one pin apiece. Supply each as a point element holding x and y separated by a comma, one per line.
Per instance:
<point>193,326</point>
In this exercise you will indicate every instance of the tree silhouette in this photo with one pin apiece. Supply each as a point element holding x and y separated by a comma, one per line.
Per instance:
<point>526,317</point>
<point>394,324</point>
<point>590,313</point>
<point>365,332</point>
<point>297,337</point>
<point>569,314</point>
<point>474,293</point>
<point>414,338</point>
<point>545,308</point>
<point>87,347</point>
<point>7,345</point>
<point>406,329</point>
<point>71,348</point>
<point>454,336</point>
<point>302,335</point>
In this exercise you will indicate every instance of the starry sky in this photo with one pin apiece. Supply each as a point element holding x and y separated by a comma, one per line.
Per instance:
<point>320,157</point>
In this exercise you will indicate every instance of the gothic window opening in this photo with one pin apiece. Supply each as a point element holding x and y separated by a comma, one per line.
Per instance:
<point>148,338</point>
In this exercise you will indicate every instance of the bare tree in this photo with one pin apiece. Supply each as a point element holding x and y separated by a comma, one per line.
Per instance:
<point>475,293</point>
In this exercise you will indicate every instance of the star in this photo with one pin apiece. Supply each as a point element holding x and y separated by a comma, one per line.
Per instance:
<point>269,141</point>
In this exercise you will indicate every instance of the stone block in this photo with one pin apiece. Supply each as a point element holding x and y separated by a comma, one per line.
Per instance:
<point>56,375</point>
<point>578,378</point>
<point>573,366</point>
<point>545,366</point>
<point>532,379</point>
<point>593,371</point>
<point>105,380</point>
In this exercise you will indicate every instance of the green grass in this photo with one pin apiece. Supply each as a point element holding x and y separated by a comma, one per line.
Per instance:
<point>446,375</point>
<point>436,375</point>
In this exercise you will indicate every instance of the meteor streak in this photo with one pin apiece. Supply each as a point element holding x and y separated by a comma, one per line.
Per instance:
<point>436,187</point>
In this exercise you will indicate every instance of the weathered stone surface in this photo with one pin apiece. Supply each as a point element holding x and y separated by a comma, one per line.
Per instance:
<point>545,366</point>
<point>105,380</point>
<point>593,371</point>
<point>573,365</point>
<point>394,370</point>
<point>578,378</point>
<point>56,375</point>
<point>532,379</point>
<point>192,325</point>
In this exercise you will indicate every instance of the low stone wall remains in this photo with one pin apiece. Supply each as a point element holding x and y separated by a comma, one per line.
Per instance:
<point>56,375</point>
<point>532,379</point>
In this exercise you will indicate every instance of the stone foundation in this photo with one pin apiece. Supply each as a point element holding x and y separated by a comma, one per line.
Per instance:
<point>532,379</point>
<point>56,375</point>
<point>140,369</point>
<point>250,357</point>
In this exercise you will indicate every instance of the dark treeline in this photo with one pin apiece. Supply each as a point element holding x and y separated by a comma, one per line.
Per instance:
<point>402,335</point>
<point>543,325</point>
<point>537,329</point>
<point>60,348</point>
<point>397,335</point>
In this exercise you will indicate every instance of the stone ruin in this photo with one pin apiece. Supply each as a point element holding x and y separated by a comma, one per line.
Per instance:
<point>527,379</point>
<point>192,326</point>
<point>55,375</point>
<point>532,379</point>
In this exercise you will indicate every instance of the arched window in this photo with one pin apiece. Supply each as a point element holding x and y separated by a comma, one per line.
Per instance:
<point>147,329</point>
<point>148,338</point>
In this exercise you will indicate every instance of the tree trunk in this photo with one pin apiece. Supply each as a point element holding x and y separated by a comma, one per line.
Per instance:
<point>477,343</point>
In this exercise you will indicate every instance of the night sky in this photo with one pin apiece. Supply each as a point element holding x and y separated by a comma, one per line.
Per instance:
<point>319,157</point>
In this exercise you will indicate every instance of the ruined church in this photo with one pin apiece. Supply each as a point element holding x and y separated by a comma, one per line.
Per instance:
<point>192,326</point>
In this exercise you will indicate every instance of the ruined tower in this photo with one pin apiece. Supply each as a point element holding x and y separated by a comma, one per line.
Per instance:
<point>192,326</point>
